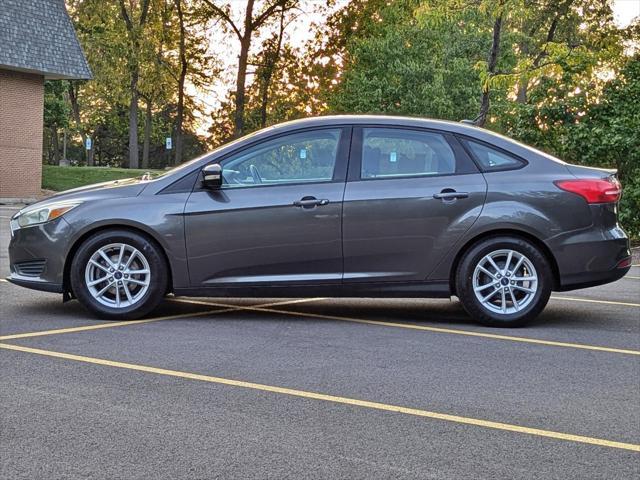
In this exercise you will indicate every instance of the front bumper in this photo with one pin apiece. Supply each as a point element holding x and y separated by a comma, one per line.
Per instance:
<point>46,244</point>
<point>35,284</point>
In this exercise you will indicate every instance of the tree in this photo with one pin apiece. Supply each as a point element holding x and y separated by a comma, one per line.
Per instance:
<point>607,136</point>
<point>251,24</point>
<point>56,115</point>
<point>182,52</point>
<point>406,58</point>
<point>134,32</point>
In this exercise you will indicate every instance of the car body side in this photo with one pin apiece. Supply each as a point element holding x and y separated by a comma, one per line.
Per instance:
<point>524,201</point>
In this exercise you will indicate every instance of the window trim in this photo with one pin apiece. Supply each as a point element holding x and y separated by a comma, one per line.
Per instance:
<point>464,163</point>
<point>339,171</point>
<point>463,139</point>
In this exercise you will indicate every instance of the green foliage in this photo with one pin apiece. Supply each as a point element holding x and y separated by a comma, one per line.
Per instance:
<point>609,135</point>
<point>112,52</point>
<point>64,178</point>
<point>56,106</point>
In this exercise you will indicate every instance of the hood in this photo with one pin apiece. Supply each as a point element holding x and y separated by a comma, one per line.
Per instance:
<point>128,187</point>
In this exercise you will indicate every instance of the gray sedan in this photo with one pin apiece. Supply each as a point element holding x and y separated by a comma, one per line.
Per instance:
<point>362,206</point>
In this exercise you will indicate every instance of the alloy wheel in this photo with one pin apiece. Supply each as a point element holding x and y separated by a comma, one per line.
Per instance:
<point>505,281</point>
<point>117,275</point>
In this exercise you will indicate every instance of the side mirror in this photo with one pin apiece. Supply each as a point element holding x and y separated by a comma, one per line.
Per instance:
<point>212,176</point>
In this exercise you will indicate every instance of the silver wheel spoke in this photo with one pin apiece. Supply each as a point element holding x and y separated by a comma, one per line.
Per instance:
<point>96,264</point>
<point>134,253</point>
<point>97,281</point>
<point>125,287</point>
<point>518,263</point>
<point>106,259</point>
<point>120,255</point>
<point>524,289</point>
<point>489,296</point>
<point>493,264</point>
<point>524,279</point>
<point>492,275</point>
<point>513,299</point>
<point>503,301</point>
<point>137,272</point>
<point>483,287</point>
<point>508,262</point>
<point>117,296</point>
<point>101,292</point>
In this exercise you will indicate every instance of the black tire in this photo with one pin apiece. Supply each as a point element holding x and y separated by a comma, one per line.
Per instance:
<point>481,313</point>
<point>157,266</point>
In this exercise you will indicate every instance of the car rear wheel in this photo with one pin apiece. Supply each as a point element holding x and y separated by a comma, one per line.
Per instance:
<point>119,275</point>
<point>504,281</point>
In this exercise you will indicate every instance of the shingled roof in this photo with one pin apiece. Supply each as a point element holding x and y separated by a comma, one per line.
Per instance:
<point>37,36</point>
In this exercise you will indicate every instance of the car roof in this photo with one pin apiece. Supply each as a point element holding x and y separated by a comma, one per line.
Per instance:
<point>390,120</point>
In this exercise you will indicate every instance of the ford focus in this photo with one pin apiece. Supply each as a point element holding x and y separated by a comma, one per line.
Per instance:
<point>346,206</point>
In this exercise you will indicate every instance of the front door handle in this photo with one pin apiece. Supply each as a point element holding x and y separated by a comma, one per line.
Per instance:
<point>310,202</point>
<point>449,194</point>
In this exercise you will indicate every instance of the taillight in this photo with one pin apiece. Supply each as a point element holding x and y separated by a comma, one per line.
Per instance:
<point>593,190</point>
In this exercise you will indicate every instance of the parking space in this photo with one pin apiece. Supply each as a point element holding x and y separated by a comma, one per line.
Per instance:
<point>320,388</point>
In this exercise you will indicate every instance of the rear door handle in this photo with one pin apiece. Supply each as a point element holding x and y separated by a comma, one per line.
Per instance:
<point>444,195</point>
<point>310,202</point>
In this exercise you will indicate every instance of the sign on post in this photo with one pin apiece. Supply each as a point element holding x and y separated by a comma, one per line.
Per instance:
<point>88,143</point>
<point>169,143</point>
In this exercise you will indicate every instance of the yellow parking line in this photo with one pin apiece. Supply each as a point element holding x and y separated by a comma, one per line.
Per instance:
<point>410,326</point>
<point>4,280</point>
<point>226,306</point>
<point>631,276</point>
<point>334,399</point>
<point>589,300</point>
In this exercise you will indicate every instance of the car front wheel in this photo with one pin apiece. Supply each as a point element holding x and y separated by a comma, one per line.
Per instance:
<point>504,281</point>
<point>119,275</point>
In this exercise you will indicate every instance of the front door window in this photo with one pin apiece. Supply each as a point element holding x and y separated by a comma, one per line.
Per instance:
<point>305,157</point>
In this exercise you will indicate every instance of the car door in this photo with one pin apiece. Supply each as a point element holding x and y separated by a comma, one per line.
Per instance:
<point>410,195</point>
<point>276,220</point>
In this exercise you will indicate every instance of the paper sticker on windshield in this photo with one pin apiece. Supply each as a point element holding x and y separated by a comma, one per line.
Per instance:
<point>392,157</point>
<point>303,153</point>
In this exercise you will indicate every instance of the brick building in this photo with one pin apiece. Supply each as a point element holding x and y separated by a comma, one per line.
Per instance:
<point>37,43</point>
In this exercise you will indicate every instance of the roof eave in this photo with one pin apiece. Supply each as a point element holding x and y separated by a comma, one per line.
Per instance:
<point>49,75</point>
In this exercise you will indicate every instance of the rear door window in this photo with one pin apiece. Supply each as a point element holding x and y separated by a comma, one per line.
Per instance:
<point>396,152</point>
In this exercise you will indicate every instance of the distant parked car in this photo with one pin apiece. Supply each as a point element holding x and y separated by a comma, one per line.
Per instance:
<point>363,206</point>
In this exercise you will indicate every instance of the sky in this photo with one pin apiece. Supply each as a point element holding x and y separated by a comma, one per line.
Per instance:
<point>299,32</point>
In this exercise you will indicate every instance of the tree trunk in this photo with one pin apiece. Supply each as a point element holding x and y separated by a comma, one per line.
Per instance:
<point>90,153</point>
<point>522,92</point>
<point>183,74</point>
<point>491,70</point>
<point>245,45</point>
<point>55,145</point>
<point>147,135</point>
<point>264,100</point>
<point>75,108</point>
<point>64,147</point>
<point>133,119</point>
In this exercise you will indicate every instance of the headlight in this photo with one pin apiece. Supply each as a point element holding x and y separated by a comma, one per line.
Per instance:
<point>42,213</point>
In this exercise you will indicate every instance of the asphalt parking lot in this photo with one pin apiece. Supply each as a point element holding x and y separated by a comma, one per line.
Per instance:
<point>319,388</point>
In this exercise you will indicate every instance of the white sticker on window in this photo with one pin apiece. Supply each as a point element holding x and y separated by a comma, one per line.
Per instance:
<point>392,157</point>
<point>303,153</point>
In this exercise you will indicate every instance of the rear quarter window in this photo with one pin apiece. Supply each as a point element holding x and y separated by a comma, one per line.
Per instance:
<point>490,158</point>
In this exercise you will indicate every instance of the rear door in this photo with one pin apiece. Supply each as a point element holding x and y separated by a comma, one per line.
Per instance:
<point>411,194</point>
<point>277,219</point>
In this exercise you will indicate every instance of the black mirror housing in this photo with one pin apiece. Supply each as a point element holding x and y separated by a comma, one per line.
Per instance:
<point>212,176</point>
